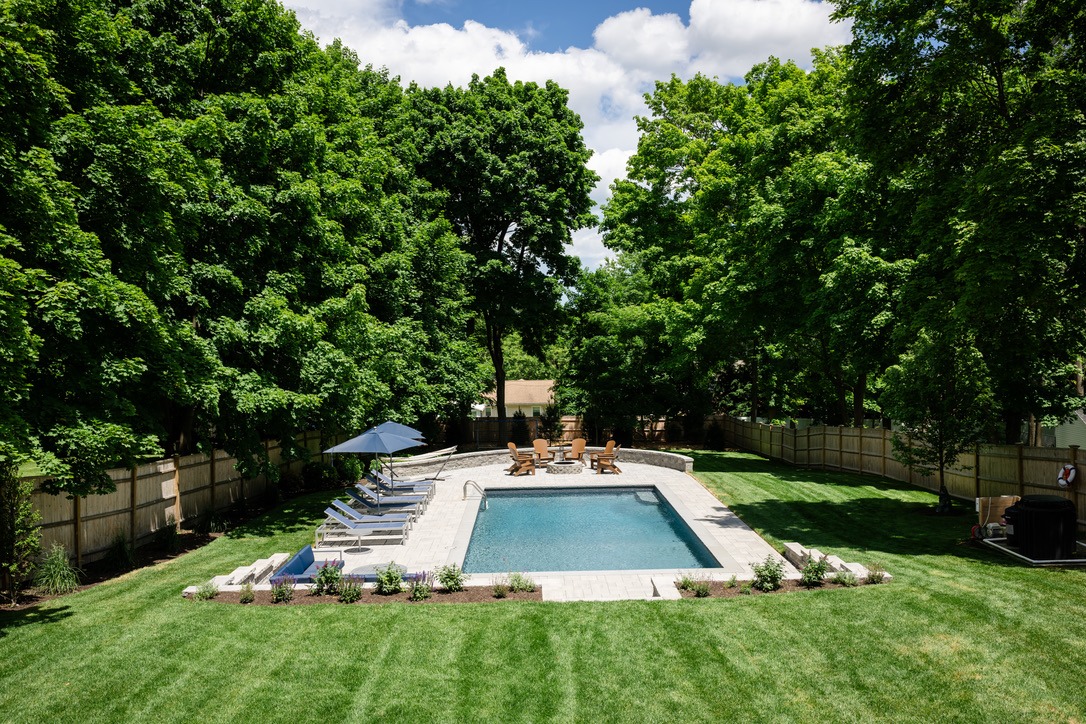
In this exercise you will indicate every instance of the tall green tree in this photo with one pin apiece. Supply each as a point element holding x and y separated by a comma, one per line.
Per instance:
<point>219,236</point>
<point>972,114</point>
<point>510,163</point>
<point>940,395</point>
<point>750,211</point>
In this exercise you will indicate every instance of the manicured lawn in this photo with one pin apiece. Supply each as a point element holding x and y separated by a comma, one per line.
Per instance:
<point>960,635</point>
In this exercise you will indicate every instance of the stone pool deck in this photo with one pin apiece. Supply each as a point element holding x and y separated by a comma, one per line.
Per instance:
<point>441,534</point>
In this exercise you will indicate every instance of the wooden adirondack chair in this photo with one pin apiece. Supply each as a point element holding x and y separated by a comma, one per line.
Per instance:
<point>542,454</point>
<point>523,463</point>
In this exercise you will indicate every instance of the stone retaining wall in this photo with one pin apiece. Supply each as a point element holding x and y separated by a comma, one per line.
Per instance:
<point>461,461</point>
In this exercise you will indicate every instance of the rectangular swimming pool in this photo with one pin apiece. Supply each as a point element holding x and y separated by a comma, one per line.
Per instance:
<point>581,530</point>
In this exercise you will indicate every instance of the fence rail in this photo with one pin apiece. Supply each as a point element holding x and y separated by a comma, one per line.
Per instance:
<point>148,496</point>
<point>989,470</point>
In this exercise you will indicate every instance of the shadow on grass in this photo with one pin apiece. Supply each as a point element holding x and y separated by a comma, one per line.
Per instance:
<point>863,520</point>
<point>742,463</point>
<point>34,615</point>
<point>304,512</point>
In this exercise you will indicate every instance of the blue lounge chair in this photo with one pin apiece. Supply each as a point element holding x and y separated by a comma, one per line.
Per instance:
<point>386,505</point>
<point>340,529</point>
<point>389,487</point>
<point>376,498</point>
<point>353,515</point>
<point>303,566</point>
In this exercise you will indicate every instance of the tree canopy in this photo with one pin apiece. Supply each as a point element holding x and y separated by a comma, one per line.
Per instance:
<point>212,233</point>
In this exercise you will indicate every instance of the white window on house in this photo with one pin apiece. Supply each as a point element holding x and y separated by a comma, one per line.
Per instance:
<point>535,411</point>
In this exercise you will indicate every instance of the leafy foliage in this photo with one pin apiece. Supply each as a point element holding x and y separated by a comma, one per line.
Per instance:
<point>211,233</point>
<point>451,577</point>
<point>20,537</point>
<point>55,574</point>
<point>328,580</point>
<point>389,579</point>
<point>768,574</point>
<point>814,573</point>
<point>511,167</point>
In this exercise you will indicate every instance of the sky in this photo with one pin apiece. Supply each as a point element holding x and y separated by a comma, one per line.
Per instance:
<point>607,53</point>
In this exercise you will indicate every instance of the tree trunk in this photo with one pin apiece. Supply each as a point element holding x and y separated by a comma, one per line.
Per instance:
<point>858,400</point>
<point>497,358</point>
<point>754,390</point>
<point>945,502</point>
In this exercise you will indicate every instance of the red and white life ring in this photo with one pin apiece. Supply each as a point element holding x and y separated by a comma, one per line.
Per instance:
<point>1067,476</point>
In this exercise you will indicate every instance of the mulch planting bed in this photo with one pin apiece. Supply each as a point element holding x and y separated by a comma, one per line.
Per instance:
<point>471,594</point>
<point>719,589</point>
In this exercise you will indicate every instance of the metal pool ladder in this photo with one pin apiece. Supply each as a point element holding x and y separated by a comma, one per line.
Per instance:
<point>482,492</point>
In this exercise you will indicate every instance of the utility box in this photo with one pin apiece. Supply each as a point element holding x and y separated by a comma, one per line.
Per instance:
<point>1043,527</point>
<point>990,510</point>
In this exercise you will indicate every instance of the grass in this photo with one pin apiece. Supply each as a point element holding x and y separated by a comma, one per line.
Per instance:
<point>961,634</point>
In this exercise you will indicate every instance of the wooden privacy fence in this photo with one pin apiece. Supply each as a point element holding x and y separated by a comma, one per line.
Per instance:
<point>149,496</point>
<point>989,470</point>
<point>484,430</point>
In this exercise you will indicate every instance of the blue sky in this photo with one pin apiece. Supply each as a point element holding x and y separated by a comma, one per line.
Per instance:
<point>546,26</point>
<point>607,53</point>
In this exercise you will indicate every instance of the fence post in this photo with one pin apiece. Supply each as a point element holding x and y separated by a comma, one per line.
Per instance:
<point>861,449</point>
<point>77,535</point>
<point>132,507</point>
<point>909,444</point>
<point>976,470</point>
<point>840,447</point>
<point>1021,471</point>
<point>177,509</point>
<point>211,477</point>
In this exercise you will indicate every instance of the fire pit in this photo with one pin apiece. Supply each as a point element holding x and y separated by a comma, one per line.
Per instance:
<point>565,467</point>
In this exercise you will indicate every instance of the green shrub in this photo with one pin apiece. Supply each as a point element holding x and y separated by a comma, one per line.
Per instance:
<point>451,577</point>
<point>56,575</point>
<point>247,595</point>
<point>714,437</point>
<point>731,582</point>
<point>120,553</point>
<point>350,589</point>
<point>875,574</point>
<point>501,590</point>
<point>20,535</point>
<point>685,582</point>
<point>519,429</point>
<point>389,579</point>
<point>206,592</point>
<point>519,582</point>
<point>746,589</point>
<point>845,578</point>
<point>318,476</point>
<point>327,581</point>
<point>290,483</point>
<point>814,573</point>
<point>768,574</point>
<point>168,536</point>
<point>282,590</point>
<point>348,468</point>
<point>701,588</point>
<point>420,586</point>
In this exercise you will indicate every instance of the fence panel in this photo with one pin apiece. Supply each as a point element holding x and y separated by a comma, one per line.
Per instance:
<point>990,470</point>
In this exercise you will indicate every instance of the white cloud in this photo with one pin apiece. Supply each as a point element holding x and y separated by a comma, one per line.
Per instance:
<point>606,83</point>
<point>728,38</point>
<point>639,40</point>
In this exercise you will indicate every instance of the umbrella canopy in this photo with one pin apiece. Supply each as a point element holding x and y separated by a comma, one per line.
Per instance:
<point>397,429</point>
<point>375,441</point>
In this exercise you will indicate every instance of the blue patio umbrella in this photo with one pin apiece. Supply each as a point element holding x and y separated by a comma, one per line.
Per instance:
<point>377,442</point>
<point>397,429</point>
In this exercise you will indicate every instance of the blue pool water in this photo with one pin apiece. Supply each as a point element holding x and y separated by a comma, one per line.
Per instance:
<point>581,530</point>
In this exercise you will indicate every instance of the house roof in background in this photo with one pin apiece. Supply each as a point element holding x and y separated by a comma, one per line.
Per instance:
<point>525,392</point>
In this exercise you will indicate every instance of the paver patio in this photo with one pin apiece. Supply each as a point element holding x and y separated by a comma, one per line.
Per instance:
<point>442,533</point>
